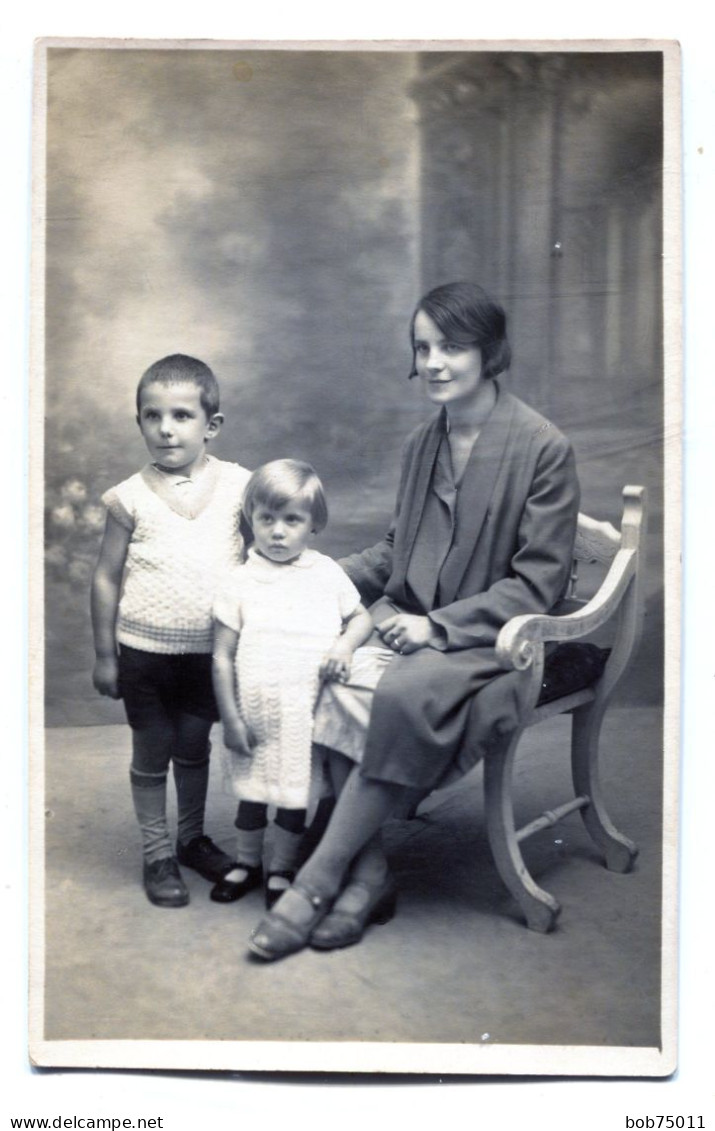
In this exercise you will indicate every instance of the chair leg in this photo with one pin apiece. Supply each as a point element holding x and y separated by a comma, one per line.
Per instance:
<point>539,908</point>
<point>619,851</point>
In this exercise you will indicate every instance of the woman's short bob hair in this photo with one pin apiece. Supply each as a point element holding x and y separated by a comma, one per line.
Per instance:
<point>466,314</point>
<point>286,481</point>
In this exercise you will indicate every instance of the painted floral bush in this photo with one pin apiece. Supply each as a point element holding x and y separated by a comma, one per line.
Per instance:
<point>74,521</point>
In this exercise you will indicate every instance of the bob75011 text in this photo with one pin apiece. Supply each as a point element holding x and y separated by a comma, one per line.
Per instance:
<point>667,1121</point>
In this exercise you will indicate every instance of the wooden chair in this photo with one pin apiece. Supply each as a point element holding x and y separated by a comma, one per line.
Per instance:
<point>618,604</point>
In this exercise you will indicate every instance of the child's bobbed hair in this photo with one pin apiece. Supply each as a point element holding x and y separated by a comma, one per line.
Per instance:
<point>466,314</point>
<point>286,481</point>
<point>179,369</point>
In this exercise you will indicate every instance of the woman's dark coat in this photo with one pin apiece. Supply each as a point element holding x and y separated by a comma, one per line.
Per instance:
<point>511,553</point>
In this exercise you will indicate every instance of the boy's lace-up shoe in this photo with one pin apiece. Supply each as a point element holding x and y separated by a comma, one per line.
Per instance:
<point>163,883</point>
<point>204,857</point>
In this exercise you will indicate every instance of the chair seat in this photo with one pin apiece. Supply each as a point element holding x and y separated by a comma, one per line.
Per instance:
<point>569,668</point>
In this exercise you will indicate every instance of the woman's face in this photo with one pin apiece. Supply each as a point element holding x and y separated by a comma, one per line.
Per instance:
<point>451,371</point>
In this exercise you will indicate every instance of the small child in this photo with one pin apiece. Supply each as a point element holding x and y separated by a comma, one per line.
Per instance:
<point>172,533</point>
<point>288,618</point>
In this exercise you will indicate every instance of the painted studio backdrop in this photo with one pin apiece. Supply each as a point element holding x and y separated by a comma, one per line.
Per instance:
<point>277,213</point>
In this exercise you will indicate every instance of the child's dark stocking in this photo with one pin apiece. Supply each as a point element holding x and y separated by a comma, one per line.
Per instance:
<point>192,783</point>
<point>191,775</point>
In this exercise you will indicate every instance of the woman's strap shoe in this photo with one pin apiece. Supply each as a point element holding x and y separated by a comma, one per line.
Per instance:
<point>273,894</point>
<point>345,926</point>
<point>277,936</point>
<point>228,891</point>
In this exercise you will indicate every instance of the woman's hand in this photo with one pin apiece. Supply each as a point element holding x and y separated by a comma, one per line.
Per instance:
<point>236,736</point>
<point>407,632</point>
<point>105,676</point>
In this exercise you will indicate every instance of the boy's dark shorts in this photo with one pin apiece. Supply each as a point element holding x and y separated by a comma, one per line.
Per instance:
<point>154,685</point>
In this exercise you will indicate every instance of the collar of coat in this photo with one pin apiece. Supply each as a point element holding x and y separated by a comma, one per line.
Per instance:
<point>474,495</point>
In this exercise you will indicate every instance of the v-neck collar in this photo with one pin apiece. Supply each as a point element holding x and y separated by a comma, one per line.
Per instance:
<point>186,497</point>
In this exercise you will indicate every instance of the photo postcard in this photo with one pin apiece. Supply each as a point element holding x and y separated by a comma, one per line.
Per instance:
<point>309,223</point>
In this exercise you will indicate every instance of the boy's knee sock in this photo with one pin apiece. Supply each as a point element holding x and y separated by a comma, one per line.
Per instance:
<point>192,783</point>
<point>149,797</point>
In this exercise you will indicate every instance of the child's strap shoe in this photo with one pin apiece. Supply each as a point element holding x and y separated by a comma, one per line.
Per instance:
<point>228,890</point>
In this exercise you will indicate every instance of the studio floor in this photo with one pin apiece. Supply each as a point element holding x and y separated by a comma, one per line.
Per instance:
<point>455,965</point>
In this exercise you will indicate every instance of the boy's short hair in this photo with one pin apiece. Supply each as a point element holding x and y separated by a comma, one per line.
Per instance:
<point>465,313</point>
<point>179,368</point>
<point>282,481</point>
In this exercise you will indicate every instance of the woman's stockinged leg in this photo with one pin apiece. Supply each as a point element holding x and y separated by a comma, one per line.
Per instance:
<point>339,770</point>
<point>370,863</point>
<point>361,810</point>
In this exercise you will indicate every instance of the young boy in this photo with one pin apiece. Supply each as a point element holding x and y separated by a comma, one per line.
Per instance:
<point>172,533</point>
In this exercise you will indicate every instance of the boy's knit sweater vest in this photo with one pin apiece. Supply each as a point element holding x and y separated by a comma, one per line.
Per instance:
<point>185,537</point>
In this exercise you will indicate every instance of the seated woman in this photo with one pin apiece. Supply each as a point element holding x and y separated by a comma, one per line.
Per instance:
<point>483,530</point>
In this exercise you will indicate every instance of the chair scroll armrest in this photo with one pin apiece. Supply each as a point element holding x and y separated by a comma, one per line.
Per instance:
<point>521,637</point>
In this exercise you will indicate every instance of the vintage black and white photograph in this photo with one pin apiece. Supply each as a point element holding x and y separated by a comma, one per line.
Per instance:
<point>356,408</point>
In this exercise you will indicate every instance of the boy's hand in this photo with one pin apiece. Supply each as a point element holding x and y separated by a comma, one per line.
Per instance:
<point>105,676</point>
<point>336,665</point>
<point>237,737</point>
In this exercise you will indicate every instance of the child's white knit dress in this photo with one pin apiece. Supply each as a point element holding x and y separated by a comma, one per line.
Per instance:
<point>288,615</point>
